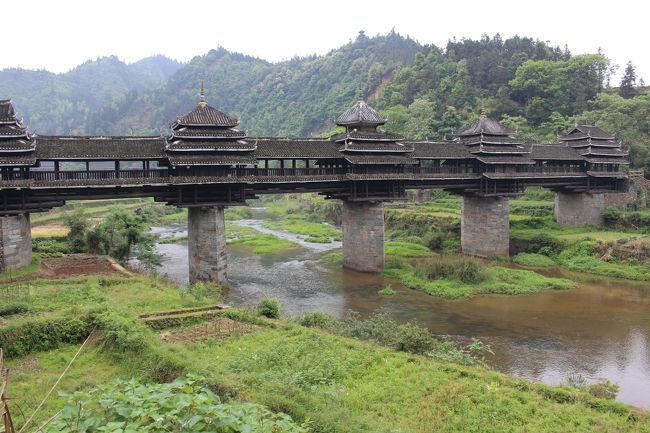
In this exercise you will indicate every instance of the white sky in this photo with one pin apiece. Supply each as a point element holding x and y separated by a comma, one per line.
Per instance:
<point>59,34</point>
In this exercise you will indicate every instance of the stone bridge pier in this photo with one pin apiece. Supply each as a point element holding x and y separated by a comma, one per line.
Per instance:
<point>206,236</point>
<point>363,236</point>
<point>15,242</point>
<point>579,209</point>
<point>484,227</point>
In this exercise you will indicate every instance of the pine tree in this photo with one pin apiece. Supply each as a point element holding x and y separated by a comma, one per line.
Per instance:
<point>628,82</point>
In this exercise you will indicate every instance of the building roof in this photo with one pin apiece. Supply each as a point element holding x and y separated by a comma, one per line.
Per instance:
<point>203,133</point>
<point>360,114</point>
<point>588,141</point>
<point>484,125</point>
<point>608,151</point>
<point>57,147</point>
<point>210,145</point>
<point>355,135</point>
<point>374,146</point>
<point>483,139</point>
<point>7,113</point>
<point>504,159</point>
<point>210,159</point>
<point>379,159</point>
<point>584,131</point>
<point>554,152</point>
<point>205,115</point>
<point>500,149</point>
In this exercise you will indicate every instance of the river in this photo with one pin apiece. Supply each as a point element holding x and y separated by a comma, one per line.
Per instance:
<point>601,329</point>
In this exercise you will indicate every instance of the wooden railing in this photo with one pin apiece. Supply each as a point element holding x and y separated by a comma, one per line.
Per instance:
<point>52,176</point>
<point>97,175</point>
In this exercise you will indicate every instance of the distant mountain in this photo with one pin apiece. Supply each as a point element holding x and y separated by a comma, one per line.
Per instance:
<point>296,97</point>
<point>60,103</point>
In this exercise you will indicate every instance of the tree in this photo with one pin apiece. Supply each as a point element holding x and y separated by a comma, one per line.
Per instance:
<point>628,82</point>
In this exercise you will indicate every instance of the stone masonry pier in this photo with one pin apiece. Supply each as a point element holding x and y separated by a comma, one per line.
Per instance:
<point>484,226</point>
<point>363,236</point>
<point>206,234</point>
<point>15,242</point>
<point>579,209</point>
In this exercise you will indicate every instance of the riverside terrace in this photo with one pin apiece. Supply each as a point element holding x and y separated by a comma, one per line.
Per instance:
<point>205,163</point>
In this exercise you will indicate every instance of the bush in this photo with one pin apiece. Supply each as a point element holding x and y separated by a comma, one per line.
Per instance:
<point>387,291</point>
<point>38,336</point>
<point>317,320</point>
<point>465,270</point>
<point>11,309</point>
<point>78,224</point>
<point>603,389</point>
<point>269,307</point>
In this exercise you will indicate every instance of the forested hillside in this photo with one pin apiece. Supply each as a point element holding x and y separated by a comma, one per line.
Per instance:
<point>426,91</point>
<point>61,103</point>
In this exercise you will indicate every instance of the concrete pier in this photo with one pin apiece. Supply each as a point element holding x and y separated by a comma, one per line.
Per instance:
<point>15,242</point>
<point>206,235</point>
<point>484,227</point>
<point>579,209</point>
<point>363,236</point>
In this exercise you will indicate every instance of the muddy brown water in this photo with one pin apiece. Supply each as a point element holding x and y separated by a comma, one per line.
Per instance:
<point>601,329</point>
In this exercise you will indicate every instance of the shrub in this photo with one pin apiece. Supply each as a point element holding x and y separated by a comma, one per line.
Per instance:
<point>465,270</point>
<point>603,389</point>
<point>14,308</point>
<point>317,319</point>
<point>78,224</point>
<point>269,307</point>
<point>38,336</point>
<point>533,260</point>
<point>387,291</point>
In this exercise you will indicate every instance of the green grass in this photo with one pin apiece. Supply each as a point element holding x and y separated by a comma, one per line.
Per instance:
<point>91,209</point>
<point>298,225</point>
<point>344,385</point>
<point>497,280</point>
<point>264,243</point>
<point>534,260</point>
<point>32,376</point>
<point>406,249</point>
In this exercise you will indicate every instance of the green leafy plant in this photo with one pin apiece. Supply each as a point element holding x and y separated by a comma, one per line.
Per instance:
<point>183,406</point>
<point>269,307</point>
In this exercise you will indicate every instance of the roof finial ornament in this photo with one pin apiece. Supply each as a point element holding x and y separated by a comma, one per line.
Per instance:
<point>483,113</point>
<point>202,102</point>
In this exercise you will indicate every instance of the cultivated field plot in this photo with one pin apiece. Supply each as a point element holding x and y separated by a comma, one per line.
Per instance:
<point>214,329</point>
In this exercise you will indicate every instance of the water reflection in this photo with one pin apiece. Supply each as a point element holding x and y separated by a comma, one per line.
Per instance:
<point>600,329</point>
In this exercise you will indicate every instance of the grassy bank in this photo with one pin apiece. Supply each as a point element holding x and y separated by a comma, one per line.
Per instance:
<point>454,277</point>
<point>321,377</point>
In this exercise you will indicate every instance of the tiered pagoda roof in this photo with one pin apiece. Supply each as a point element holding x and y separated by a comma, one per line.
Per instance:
<point>362,143</point>
<point>16,144</point>
<point>595,145</point>
<point>492,143</point>
<point>207,136</point>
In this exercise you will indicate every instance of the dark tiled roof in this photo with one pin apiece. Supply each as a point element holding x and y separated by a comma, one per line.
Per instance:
<point>583,131</point>
<point>493,148</point>
<point>17,160</point>
<point>489,139</point>
<point>6,110</point>
<point>48,147</point>
<point>205,132</point>
<point>554,152</point>
<point>205,115</point>
<point>608,151</point>
<point>367,136</point>
<point>505,159</point>
<point>16,145</point>
<point>9,130</point>
<point>211,159</point>
<point>440,150</point>
<point>484,125</point>
<point>379,159</point>
<point>211,145</point>
<point>382,146</point>
<point>596,160</point>
<point>307,148</point>
<point>584,142</point>
<point>360,114</point>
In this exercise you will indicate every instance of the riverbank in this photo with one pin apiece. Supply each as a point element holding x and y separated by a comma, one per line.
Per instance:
<point>331,382</point>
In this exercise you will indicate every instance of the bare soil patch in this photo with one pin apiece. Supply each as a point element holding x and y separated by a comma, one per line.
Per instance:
<point>79,264</point>
<point>219,328</point>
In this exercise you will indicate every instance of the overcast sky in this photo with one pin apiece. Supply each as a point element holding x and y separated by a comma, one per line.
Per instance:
<point>59,34</point>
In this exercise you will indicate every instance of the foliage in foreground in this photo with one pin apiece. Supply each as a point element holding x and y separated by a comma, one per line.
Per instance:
<point>181,406</point>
